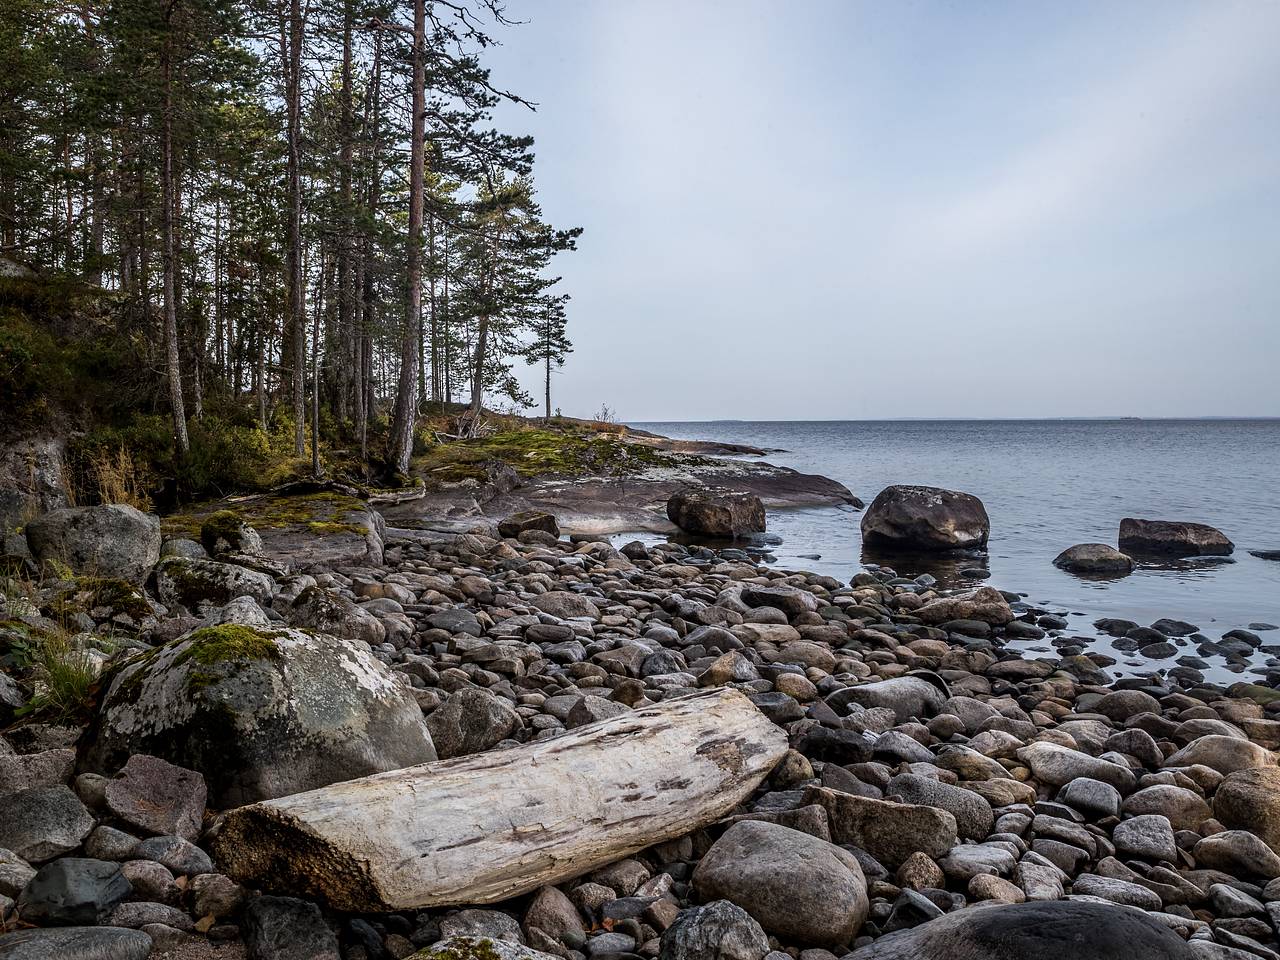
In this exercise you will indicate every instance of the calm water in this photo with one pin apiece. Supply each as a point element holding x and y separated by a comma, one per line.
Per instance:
<point>1047,485</point>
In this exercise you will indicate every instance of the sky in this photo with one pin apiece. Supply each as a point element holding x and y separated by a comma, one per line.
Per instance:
<point>869,210</point>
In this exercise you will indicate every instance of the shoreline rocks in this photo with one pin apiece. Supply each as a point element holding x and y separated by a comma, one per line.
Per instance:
<point>959,778</point>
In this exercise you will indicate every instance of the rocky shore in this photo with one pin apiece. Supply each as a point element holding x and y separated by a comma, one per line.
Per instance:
<point>927,794</point>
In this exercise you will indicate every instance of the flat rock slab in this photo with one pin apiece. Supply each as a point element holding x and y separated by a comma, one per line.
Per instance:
<point>76,943</point>
<point>158,797</point>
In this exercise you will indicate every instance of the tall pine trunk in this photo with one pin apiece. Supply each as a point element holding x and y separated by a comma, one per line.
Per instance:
<point>173,364</point>
<point>406,396</point>
<point>295,293</point>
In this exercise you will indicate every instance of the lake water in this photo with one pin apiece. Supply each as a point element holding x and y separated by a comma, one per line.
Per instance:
<point>1047,485</point>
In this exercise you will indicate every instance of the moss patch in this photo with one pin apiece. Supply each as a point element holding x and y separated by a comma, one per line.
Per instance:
<point>537,452</point>
<point>472,948</point>
<point>229,641</point>
<point>90,592</point>
<point>322,513</point>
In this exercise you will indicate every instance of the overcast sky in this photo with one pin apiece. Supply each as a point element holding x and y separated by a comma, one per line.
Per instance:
<point>858,210</point>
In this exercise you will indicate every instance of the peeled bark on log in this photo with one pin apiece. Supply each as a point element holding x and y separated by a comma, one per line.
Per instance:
<point>490,826</point>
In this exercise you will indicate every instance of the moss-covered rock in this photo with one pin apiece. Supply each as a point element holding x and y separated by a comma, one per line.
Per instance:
<point>200,585</point>
<point>227,532</point>
<point>260,712</point>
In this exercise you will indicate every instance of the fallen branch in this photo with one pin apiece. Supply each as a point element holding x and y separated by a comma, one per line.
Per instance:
<point>487,827</point>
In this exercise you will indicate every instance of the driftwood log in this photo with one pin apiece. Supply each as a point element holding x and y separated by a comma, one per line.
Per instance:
<point>489,826</point>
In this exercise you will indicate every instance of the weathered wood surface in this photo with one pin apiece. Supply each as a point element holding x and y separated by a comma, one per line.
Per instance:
<point>482,828</point>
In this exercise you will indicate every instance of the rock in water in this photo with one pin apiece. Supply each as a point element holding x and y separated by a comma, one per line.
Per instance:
<point>261,712</point>
<point>1034,931</point>
<point>925,518</point>
<point>1093,558</point>
<point>718,931</point>
<point>115,541</point>
<point>518,523</point>
<point>1170,538</point>
<point>715,514</point>
<point>801,888</point>
<point>76,943</point>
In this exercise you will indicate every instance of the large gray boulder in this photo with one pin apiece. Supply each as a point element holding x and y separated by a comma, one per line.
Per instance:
<point>1172,538</point>
<point>925,518</point>
<point>1034,931</point>
<point>799,887</point>
<point>116,540</point>
<point>261,712</point>
<point>716,514</point>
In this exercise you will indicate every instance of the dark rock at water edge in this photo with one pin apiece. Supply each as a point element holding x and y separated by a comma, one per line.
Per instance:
<point>518,523</point>
<point>925,518</point>
<point>716,514</point>
<point>1172,538</point>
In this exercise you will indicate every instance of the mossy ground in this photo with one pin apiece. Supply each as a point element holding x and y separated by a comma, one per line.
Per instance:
<point>569,450</point>
<point>323,513</point>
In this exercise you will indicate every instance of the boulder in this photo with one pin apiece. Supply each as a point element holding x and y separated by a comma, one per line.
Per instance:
<point>227,532</point>
<point>282,928</point>
<point>319,609</point>
<point>1040,930</point>
<point>116,540</point>
<point>471,720</point>
<point>718,931</point>
<point>41,823</point>
<point>925,518</point>
<point>480,948</point>
<point>910,698</point>
<point>985,604</point>
<point>1237,852</point>
<point>566,605</point>
<point>73,891</point>
<point>201,585</point>
<point>1249,799</point>
<point>1093,558</point>
<point>1223,753</point>
<point>1057,766</point>
<point>1170,538</point>
<point>261,712</point>
<point>518,523</point>
<point>974,817</point>
<point>157,797</point>
<point>790,600</point>
<point>716,514</point>
<point>799,887</point>
<point>890,832</point>
<point>76,943</point>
